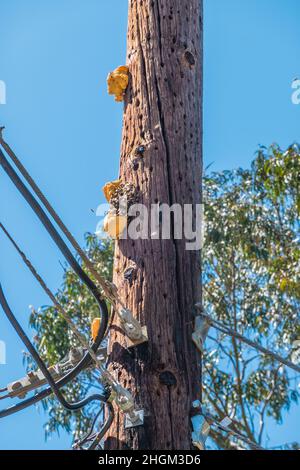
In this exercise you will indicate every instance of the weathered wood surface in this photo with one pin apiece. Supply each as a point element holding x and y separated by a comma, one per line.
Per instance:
<point>163,111</point>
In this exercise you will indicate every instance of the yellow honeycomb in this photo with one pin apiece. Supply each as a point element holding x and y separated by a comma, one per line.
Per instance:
<point>110,188</point>
<point>117,82</point>
<point>114,225</point>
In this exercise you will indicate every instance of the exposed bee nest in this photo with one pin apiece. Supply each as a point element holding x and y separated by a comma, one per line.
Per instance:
<point>123,197</point>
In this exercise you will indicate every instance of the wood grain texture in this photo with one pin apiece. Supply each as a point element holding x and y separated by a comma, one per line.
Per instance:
<point>158,279</point>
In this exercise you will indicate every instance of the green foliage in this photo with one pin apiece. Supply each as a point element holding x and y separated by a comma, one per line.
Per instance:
<point>251,283</point>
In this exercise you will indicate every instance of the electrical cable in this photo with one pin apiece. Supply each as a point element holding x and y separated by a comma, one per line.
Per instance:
<point>53,385</point>
<point>106,376</point>
<point>107,287</point>
<point>7,310</point>
<point>57,239</point>
<point>59,242</point>
<point>83,364</point>
<point>111,416</point>
<point>41,364</point>
<point>53,298</point>
<point>213,421</point>
<point>131,326</point>
<point>124,398</point>
<point>96,438</point>
<point>4,397</point>
<point>230,332</point>
<point>89,435</point>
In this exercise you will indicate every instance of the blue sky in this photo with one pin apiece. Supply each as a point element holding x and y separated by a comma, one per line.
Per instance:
<point>54,59</point>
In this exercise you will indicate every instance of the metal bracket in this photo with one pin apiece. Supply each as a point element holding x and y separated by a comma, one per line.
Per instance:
<point>201,428</point>
<point>202,326</point>
<point>136,333</point>
<point>134,419</point>
<point>124,401</point>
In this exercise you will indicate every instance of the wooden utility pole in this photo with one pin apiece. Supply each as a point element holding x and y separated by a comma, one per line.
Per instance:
<point>159,280</point>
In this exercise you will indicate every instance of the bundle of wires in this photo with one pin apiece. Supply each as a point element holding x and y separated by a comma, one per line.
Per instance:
<point>54,387</point>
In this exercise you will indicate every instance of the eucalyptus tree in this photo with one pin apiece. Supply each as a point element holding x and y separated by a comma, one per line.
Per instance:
<point>251,283</point>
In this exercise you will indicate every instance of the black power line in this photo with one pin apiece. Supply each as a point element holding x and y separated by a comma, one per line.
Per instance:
<point>57,239</point>
<point>230,332</point>
<point>55,387</point>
